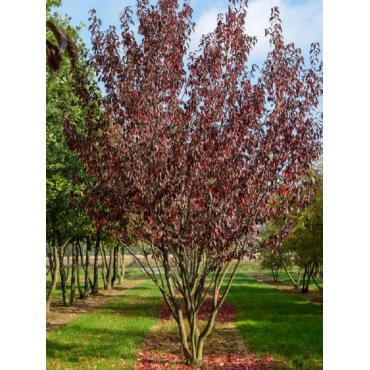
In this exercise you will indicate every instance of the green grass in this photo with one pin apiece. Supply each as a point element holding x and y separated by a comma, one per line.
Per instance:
<point>288,326</point>
<point>109,334</point>
<point>253,267</point>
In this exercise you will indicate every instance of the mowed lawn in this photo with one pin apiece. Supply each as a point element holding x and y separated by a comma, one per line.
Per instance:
<point>108,336</point>
<point>286,326</point>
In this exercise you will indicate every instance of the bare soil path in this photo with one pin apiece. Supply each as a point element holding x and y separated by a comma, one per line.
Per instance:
<point>313,295</point>
<point>59,314</point>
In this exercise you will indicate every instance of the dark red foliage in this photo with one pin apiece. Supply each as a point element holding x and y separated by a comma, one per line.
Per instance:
<point>197,159</point>
<point>190,164</point>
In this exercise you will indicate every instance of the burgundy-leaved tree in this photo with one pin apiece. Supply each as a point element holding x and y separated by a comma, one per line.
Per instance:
<point>188,164</point>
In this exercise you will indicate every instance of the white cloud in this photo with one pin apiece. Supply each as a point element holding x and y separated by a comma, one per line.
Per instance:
<point>206,23</point>
<point>302,24</point>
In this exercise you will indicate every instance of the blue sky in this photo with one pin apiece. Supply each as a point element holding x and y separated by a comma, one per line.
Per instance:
<point>302,21</point>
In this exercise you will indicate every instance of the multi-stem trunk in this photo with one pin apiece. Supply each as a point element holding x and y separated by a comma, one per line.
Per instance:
<point>308,272</point>
<point>73,278</point>
<point>96,275</point>
<point>54,273</point>
<point>189,279</point>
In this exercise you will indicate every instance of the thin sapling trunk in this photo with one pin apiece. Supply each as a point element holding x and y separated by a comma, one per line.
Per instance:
<point>74,267</point>
<point>54,274</point>
<point>96,275</point>
<point>87,268</point>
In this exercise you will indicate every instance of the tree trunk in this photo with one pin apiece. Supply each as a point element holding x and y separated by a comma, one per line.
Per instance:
<point>51,261</point>
<point>115,265</point>
<point>189,278</point>
<point>296,284</point>
<point>96,275</point>
<point>307,273</point>
<point>304,281</point>
<point>310,273</point>
<point>121,266</point>
<point>73,278</point>
<point>63,278</point>
<point>321,289</point>
<point>54,274</point>
<point>78,270</point>
<point>104,265</point>
<point>110,268</point>
<point>87,268</point>
<point>68,255</point>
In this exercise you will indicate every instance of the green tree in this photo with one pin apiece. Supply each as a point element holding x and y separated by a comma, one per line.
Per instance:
<point>304,246</point>
<point>65,173</point>
<point>306,240</point>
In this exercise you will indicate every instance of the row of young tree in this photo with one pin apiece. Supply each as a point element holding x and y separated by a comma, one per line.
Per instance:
<point>80,251</point>
<point>304,245</point>
<point>69,232</point>
<point>183,166</point>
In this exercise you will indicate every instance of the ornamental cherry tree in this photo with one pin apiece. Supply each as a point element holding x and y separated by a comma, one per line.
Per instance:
<point>189,164</point>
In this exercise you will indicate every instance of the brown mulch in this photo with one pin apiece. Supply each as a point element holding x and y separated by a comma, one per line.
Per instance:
<point>60,314</point>
<point>313,295</point>
<point>163,350</point>
<point>223,349</point>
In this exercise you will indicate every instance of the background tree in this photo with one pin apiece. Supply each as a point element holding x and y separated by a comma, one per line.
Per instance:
<point>274,261</point>
<point>65,217</point>
<point>186,166</point>
<point>304,246</point>
<point>306,240</point>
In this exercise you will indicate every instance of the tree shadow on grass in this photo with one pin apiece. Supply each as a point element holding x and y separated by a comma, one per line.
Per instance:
<point>284,324</point>
<point>96,342</point>
<point>110,332</point>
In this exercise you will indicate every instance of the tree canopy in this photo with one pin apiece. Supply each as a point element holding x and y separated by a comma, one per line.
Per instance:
<point>189,164</point>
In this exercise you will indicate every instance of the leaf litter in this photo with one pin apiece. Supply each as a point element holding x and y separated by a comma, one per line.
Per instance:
<point>224,348</point>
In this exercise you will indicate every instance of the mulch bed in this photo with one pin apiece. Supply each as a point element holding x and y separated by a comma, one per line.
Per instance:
<point>224,348</point>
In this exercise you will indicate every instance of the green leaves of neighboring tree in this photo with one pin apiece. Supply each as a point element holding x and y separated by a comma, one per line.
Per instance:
<point>65,173</point>
<point>304,246</point>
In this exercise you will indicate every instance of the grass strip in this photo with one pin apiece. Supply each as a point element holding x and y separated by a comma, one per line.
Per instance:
<point>285,326</point>
<point>108,336</point>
